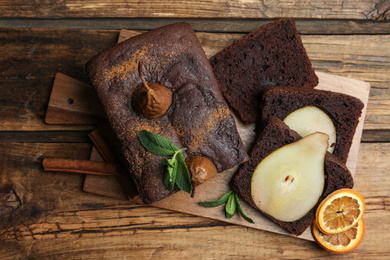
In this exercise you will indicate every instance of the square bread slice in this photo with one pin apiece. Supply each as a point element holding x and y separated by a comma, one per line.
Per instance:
<point>275,135</point>
<point>342,109</point>
<point>272,55</point>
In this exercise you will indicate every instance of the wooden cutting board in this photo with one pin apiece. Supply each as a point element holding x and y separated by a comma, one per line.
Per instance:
<point>76,103</point>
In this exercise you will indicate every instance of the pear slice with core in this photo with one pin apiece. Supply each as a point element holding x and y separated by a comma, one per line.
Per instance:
<point>310,119</point>
<point>288,183</point>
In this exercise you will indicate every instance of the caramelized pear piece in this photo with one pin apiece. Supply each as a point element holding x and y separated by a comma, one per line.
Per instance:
<point>201,169</point>
<point>151,100</point>
<point>288,183</point>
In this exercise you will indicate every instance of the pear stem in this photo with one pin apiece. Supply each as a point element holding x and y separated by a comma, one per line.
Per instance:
<point>193,188</point>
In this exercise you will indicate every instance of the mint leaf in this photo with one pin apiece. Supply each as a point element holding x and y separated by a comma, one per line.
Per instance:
<point>183,179</point>
<point>231,206</point>
<point>214,203</point>
<point>241,211</point>
<point>166,162</point>
<point>177,172</point>
<point>156,144</point>
<point>170,175</point>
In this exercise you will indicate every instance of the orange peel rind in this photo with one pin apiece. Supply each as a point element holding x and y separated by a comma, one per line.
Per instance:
<point>343,242</point>
<point>340,211</point>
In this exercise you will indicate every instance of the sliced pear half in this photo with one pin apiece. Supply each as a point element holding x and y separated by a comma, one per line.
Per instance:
<point>289,182</point>
<point>310,119</point>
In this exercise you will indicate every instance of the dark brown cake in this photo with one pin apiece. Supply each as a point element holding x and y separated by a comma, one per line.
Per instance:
<point>272,55</point>
<point>275,135</point>
<point>344,111</point>
<point>198,119</point>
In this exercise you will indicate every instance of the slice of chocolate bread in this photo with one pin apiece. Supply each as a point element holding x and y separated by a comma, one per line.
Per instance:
<point>272,55</point>
<point>198,118</point>
<point>343,110</point>
<point>275,135</point>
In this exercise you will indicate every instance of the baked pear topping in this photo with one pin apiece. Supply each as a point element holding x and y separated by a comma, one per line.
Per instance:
<point>151,100</point>
<point>201,169</point>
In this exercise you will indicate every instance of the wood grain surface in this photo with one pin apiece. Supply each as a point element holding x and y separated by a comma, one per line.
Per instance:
<point>65,87</point>
<point>47,215</point>
<point>332,9</point>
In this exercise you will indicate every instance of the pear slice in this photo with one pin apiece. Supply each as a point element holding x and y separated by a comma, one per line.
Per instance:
<point>310,119</point>
<point>288,183</point>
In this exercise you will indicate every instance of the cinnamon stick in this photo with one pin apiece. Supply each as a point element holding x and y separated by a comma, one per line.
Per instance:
<point>80,166</point>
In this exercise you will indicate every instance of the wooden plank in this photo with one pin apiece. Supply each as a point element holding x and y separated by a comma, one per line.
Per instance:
<point>362,57</point>
<point>332,9</point>
<point>213,25</point>
<point>56,220</point>
<point>373,136</point>
<point>44,136</point>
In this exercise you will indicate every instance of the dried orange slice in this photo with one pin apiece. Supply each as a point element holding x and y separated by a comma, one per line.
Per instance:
<point>340,211</point>
<point>343,242</point>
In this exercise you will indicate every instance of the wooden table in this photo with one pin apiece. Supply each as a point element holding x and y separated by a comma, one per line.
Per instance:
<point>48,216</point>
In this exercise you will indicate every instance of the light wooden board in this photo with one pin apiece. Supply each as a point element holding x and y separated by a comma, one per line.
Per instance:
<point>72,102</point>
<point>217,186</point>
<point>104,185</point>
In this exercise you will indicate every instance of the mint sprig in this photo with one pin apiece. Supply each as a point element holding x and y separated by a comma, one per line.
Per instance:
<point>232,205</point>
<point>183,178</point>
<point>214,203</point>
<point>156,144</point>
<point>177,173</point>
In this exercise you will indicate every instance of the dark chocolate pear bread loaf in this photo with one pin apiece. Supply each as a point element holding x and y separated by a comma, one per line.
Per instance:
<point>272,55</point>
<point>197,116</point>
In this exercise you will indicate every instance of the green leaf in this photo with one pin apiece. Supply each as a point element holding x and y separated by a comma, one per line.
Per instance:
<point>167,162</point>
<point>241,211</point>
<point>170,175</point>
<point>230,208</point>
<point>232,204</point>
<point>183,179</point>
<point>214,203</point>
<point>176,172</point>
<point>227,215</point>
<point>156,144</point>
